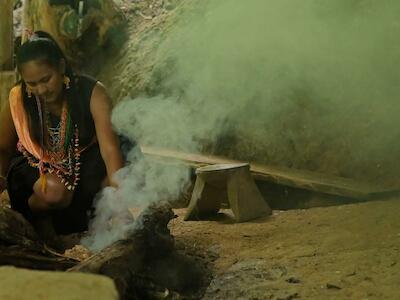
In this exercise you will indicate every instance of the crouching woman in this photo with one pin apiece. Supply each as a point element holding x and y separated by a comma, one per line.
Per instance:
<point>57,144</point>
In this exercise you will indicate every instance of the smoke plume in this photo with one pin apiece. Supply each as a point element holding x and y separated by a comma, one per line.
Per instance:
<point>305,84</point>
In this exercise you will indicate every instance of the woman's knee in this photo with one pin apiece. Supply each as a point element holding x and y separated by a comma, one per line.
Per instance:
<point>55,195</point>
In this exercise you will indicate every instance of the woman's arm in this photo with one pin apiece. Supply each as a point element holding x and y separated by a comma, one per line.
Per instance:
<point>8,142</point>
<point>100,107</point>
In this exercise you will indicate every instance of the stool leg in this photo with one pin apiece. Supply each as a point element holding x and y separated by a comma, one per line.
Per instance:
<point>206,200</point>
<point>244,197</point>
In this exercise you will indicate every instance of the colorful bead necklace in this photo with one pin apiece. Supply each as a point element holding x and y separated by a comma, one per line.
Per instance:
<point>60,152</point>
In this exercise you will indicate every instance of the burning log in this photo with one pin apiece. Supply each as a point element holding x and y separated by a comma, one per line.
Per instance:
<point>150,236</point>
<point>124,259</point>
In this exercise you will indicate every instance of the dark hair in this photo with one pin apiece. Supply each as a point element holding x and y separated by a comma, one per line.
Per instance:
<point>42,47</point>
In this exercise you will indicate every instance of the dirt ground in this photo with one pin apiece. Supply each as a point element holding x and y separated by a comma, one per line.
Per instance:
<point>340,252</point>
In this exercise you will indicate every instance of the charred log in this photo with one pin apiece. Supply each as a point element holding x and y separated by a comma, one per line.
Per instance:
<point>121,261</point>
<point>143,265</point>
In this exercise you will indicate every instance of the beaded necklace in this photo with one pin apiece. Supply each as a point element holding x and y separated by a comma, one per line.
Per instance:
<point>59,148</point>
<point>56,138</point>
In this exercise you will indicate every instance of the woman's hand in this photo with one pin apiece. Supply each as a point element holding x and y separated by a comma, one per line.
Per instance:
<point>122,218</point>
<point>122,215</point>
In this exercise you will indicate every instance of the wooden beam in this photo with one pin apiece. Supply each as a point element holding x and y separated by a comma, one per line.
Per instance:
<point>313,181</point>
<point>6,35</point>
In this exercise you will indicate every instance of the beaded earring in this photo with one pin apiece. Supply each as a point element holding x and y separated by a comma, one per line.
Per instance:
<point>29,92</point>
<point>67,81</point>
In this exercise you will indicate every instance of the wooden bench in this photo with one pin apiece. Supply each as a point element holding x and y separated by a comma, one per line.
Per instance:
<point>301,179</point>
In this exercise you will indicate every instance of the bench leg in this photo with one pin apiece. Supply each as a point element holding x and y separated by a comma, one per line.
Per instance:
<point>244,197</point>
<point>206,200</point>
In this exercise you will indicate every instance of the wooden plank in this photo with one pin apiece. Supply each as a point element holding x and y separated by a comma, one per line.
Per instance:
<point>302,179</point>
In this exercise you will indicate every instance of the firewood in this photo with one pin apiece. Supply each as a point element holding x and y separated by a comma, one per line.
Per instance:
<point>150,238</point>
<point>124,261</point>
<point>20,245</point>
<point>24,258</point>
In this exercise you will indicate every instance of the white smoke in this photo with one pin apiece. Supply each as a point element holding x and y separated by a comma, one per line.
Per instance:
<point>103,230</point>
<point>307,84</point>
<point>143,181</point>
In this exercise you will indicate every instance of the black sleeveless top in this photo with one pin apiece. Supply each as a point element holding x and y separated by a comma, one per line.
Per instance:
<point>81,108</point>
<point>78,97</point>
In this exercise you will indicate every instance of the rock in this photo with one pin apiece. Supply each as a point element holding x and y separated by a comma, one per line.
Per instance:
<point>333,286</point>
<point>293,280</point>
<point>26,284</point>
<point>214,252</point>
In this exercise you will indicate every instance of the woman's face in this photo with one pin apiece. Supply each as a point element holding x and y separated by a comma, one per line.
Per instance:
<point>43,80</point>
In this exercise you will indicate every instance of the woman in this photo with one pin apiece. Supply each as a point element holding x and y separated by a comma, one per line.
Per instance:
<point>60,124</point>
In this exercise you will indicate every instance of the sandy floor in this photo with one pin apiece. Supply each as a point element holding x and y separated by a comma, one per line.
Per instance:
<point>340,252</point>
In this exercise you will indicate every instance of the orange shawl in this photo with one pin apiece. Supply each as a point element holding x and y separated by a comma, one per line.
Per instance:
<point>21,123</point>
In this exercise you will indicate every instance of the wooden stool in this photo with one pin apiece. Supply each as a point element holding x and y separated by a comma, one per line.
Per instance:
<point>231,184</point>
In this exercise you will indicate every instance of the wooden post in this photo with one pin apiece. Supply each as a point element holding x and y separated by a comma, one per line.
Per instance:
<point>54,19</point>
<point>6,35</point>
<point>7,75</point>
